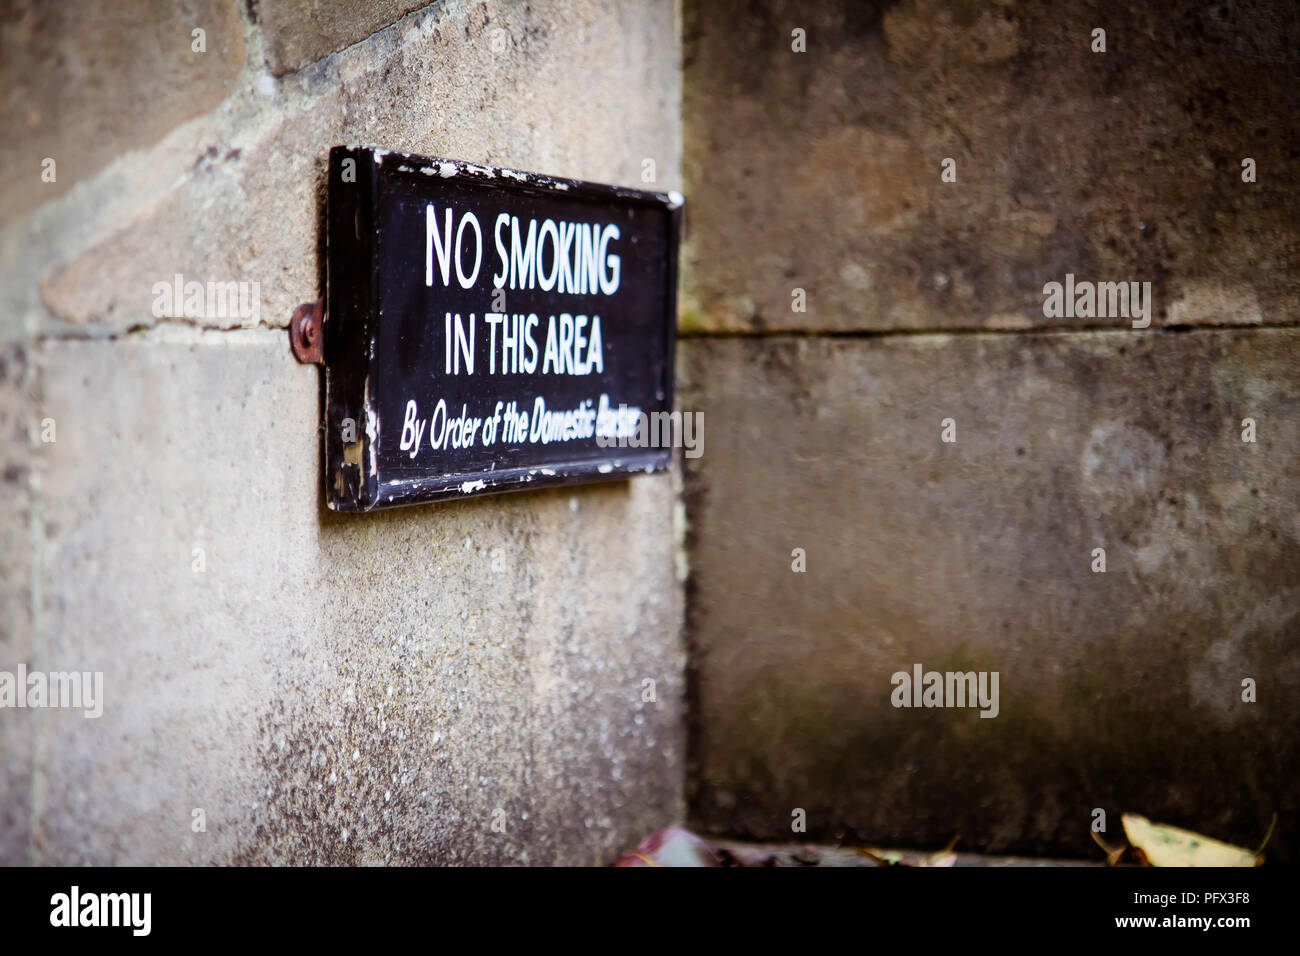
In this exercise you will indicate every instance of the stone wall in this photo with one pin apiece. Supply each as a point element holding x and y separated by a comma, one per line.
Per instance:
<point>370,689</point>
<point>324,688</point>
<point>823,171</point>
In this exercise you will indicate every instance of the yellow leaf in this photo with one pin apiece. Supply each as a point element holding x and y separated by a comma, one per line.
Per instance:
<point>1170,846</point>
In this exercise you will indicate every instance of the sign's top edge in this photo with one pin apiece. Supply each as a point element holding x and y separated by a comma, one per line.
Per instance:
<point>462,169</point>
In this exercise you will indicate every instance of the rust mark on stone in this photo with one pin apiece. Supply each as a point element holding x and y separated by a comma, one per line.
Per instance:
<point>306,336</point>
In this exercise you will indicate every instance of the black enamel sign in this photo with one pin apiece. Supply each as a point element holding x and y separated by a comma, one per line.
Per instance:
<point>489,330</point>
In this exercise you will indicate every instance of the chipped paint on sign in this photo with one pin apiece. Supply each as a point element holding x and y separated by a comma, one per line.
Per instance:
<point>494,329</point>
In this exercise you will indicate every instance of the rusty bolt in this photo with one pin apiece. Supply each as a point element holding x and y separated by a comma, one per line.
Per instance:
<point>306,335</point>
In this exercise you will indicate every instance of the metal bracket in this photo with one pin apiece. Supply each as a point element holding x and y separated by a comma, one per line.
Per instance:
<point>307,334</point>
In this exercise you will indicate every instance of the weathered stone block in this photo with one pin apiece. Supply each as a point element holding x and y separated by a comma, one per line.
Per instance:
<point>334,689</point>
<point>248,208</point>
<point>1120,690</point>
<point>823,170</point>
<point>86,82</point>
<point>299,32</point>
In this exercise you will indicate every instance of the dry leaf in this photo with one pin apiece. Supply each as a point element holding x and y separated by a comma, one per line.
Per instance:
<point>1113,854</point>
<point>1170,846</point>
<point>944,857</point>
